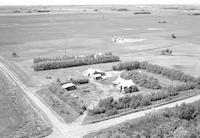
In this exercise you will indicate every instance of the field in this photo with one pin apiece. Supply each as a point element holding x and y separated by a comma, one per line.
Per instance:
<point>17,119</point>
<point>9,118</point>
<point>78,32</point>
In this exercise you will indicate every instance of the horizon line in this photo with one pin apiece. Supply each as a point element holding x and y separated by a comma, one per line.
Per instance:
<point>95,4</point>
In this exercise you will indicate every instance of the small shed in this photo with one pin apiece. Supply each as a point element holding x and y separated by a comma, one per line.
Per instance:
<point>69,86</point>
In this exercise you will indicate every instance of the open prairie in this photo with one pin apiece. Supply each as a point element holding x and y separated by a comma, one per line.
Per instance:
<point>74,33</point>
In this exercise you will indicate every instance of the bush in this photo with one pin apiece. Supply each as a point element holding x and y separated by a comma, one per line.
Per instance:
<point>186,112</point>
<point>97,111</point>
<point>79,80</point>
<point>112,111</point>
<point>131,89</point>
<point>145,101</point>
<point>14,54</point>
<point>58,81</point>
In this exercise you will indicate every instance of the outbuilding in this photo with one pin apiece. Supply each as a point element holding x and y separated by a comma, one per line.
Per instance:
<point>91,72</point>
<point>69,86</point>
<point>94,73</point>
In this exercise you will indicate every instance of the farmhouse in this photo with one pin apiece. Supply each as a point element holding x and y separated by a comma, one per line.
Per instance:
<point>90,72</point>
<point>95,74</point>
<point>122,84</point>
<point>69,86</point>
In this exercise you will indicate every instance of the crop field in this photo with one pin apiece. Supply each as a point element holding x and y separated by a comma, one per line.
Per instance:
<point>9,118</point>
<point>16,117</point>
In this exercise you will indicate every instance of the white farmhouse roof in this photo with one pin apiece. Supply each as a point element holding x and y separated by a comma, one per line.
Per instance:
<point>127,83</point>
<point>117,81</point>
<point>67,85</point>
<point>96,75</point>
<point>123,82</point>
<point>91,71</point>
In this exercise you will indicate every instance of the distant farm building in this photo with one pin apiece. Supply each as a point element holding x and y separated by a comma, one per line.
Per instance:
<point>126,40</point>
<point>69,86</point>
<point>166,52</point>
<point>122,84</point>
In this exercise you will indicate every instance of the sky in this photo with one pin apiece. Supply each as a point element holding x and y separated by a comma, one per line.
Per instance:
<point>94,2</point>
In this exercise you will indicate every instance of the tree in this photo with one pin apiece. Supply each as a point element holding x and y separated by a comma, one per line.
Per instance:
<point>145,101</point>
<point>58,80</point>
<point>14,54</point>
<point>186,112</point>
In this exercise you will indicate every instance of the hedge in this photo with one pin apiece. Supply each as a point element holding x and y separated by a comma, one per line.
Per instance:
<point>167,72</point>
<point>46,64</point>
